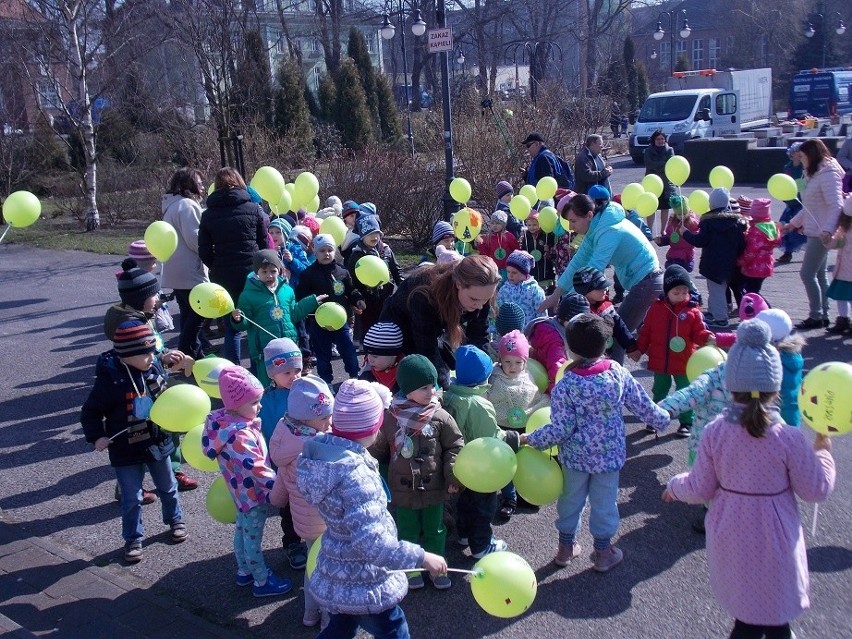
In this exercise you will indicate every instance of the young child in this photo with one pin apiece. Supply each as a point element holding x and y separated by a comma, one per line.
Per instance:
<point>139,252</point>
<point>476,418</point>
<point>309,408</point>
<point>520,287</point>
<point>752,467</point>
<point>515,397</point>
<point>505,191</point>
<point>792,242</point>
<point>279,231</point>
<point>326,277</point>
<point>546,335</point>
<point>420,440</point>
<point>840,288</point>
<point>721,238</point>
<point>756,262</point>
<point>233,437</point>
<point>588,426</point>
<point>300,246</point>
<point>128,379</point>
<point>540,245</point>
<point>498,243</point>
<point>680,251</point>
<point>336,474</point>
<point>443,236</point>
<point>350,213</point>
<point>269,302</point>
<point>672,331</point>
<point>371,243</point>
<point>789,346</point>
<point>383,348</point>
<point>590,282</point>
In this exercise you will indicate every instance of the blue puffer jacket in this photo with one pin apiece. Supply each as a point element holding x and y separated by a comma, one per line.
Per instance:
<point>360,543</point>
<point>612,239</point>
<point>791,381</point>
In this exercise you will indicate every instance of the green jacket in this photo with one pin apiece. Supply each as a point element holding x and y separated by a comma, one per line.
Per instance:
<point>473,413</point>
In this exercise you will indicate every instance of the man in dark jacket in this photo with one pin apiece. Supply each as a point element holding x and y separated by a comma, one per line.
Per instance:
<point>590,167</point>
<point>543,162</point>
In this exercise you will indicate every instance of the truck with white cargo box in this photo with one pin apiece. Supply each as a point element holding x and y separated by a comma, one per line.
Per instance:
<point>704,104</point>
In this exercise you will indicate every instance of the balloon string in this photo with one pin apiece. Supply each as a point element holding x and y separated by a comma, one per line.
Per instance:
<point>814,523</point>
<point>8,226</point>
<point>466,572</point>
<point>121,432</point>
<point>807,210</point>
<point>272,335</point>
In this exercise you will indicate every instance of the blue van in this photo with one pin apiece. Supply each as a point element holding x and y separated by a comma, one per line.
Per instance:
<point>821,93</point>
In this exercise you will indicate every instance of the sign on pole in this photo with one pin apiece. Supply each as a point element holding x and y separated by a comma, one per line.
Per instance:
<point>440,40</point>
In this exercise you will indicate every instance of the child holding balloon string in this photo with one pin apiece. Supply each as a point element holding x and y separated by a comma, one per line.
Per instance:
<point>539,244</point>
<point>593,284</point>
<point>680,251</point>
<point>497,243</point>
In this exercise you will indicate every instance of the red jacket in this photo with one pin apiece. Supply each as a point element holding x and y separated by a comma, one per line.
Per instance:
<point>491,243</point>
<point>757,260</point>
<point>662,323</point>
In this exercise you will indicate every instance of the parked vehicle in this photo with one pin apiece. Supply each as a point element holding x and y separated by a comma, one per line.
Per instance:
<point>704,104</point>
<point>821,93</point>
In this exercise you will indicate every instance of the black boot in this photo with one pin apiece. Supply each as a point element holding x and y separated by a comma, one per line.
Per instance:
<point>841,325</point>
<point>786,258</point>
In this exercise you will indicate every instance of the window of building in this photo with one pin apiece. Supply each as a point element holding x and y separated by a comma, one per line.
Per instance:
<point>350,6</point>
<point>371,43</point>
<point>714,52</point>
<point>729,44</point>
<point>697,53</point>
<point>664,55</point>
<point>680,48</point>
<point>281,43</point>
<point>48,97</point>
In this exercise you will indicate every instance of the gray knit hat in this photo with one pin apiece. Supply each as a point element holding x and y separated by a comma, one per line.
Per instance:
<point>281,355</point>
<point>572,305</point>
<point>309,398</point>
<point>510,317</point>
<point>753,363</point>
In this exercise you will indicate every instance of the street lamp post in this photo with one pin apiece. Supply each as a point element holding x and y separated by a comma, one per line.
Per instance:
<point>418,28</point>
<point>839,30</point>
<point>450,205</point>
<point>659,34</point>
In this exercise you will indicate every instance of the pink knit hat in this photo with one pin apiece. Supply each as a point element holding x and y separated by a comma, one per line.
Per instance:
<point>751,305</point>
<point>761,209</point>
<point>138,250</point>
<point>237,387</point>
<point>359,409</point>
<point>514,344</point>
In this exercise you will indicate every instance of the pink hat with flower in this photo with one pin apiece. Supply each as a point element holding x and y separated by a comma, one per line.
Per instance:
<point>514,344</point>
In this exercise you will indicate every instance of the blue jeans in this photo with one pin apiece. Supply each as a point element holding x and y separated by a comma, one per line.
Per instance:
<point>130,483</point>
<point>636,304</point>
<point>601,490</point>
<point>791,242</point>
<point>390,624</point>
<point>321,342</point>
<point>231,347</point>
<point>813,276</point>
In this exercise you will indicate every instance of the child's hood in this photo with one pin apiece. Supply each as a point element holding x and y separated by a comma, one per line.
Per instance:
<point>724,220</point>
<point>284,445</point>
<point>769,229</point>
<point>326,462</point>
<point>793,343</point>
<point>468,391</point>
<point>223,428</point>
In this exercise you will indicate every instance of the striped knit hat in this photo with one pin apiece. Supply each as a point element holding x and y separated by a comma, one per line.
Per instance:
<point>135,285</point>
<point>134,338</point>
<point>384,338</point>
<point>282,225</point>
<point>440,231</point>
<point>138,250</point>
<point>359,409</point>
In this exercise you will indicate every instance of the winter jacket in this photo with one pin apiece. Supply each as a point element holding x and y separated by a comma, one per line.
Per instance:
<point>273,406</point>
<point>586,417</point>
<point>184,268</point>
<point>664,322</point>
<point>589,170</point>
<point>843,262</point>
<point>761,239</point>
<point>655,164</point>
<point>423,479</point>
<point>513,224</point>
<point>548,345</point>
<point>374,296</point>
<point>540,246</point>
<point>243,457</point>
<point>497,246</point>
<point>621,334</point>
<point>360,543</point>
<point>109,410</point>
<point>514,398</point>
<point>721,238</point>
<point>611,239</point>
<point>230,233</point>
<point>275,312</point>
<point>755,545</point>
<point>284,450</point>
<point>475,415</point>
<point>822,200</point>
<point>792,364</point>
<point>528,295</point>
<point>332,280</point>
<point>547,163</point>
<point>680,252</point>
<point>422,326</point>
<point>301,260</point>
<point>844,155</point>
<point>639,222</point>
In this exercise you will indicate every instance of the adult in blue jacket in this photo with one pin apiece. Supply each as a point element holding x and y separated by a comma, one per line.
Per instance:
<point>611,239</point>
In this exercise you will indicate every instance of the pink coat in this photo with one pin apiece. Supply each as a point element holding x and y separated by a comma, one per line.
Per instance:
<point>755,545</point>
<point>284,450</point>
<point>757,260</point>
<point>548,346</point>
<point>843,264</point>
<point>681,249</point>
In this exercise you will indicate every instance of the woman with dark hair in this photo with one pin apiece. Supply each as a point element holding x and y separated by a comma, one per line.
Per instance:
<point>440,307</point>
<point>657,153</point>
<point>182,209</point>
<point>822,200</point>
<point>231,232</point>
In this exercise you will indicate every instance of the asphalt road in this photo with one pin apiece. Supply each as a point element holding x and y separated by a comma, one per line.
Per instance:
<point>51,310</point>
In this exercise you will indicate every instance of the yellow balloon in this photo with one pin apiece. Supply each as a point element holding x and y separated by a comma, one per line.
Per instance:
<point>180,408</point>
<point>630,194</point>
<point>647,203</point>
<point>161,240</point>
<point>547,219</point>
<point>699,202</point>
<point>193,453</point>
<point>825,398</point>
<point>721,177</point>
<point>335,227</point>
<point>702,360</point>
<point>210,300</point>
<point>211,188</point>
<point>677,169</point>
<point>503,584</point>
<point>206,373</point>
<point>529,192</point>
<point>306,187</point>
<point>565,223</point>
<point>782,187</point>
<point>561,372</point>
<point>540,418</point>
<point>283,205</point>
<point>520,207</point>
<point>484,465</point>
<point>538,479</point>
<point>21,209</point>
<point>220,504</point>
<point>313,555</point>
<point>546,187</point>
<point>269,183</point>
<point>331,316</point>
<point>467,225</point>
<point>652,184</point>
<point>460,190</point>
<point>372,271</point>
<point>538,374</point>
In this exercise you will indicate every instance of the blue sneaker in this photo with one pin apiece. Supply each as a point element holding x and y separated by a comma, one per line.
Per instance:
<point>247,580</point>
<point>274,586</point>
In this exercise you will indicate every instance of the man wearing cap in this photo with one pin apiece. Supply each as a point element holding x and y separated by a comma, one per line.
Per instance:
<point>543,162</point>
<point>590,166</point>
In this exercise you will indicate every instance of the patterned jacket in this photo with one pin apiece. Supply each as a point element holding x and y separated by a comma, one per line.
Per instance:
<point>761,239</point>
<point>528,295</point>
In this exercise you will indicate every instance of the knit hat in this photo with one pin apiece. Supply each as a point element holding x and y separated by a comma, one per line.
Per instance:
<point>522,261</point>
<point>572,304</point>
<point>598,192</point>
<point>333,202</point>
<point>370,209</point>
<point>588,334</point>
<point>500,217</point>
<point>309,398</point>
<point>680,205</point>
<point>514,344</point>
<point>473,366</point>
<point>533,215</point>
<point>441,230</point>
<point>750,305</point>
<point>588,279</point>
<point>753,363</point>
<point>761,209</point>
<point>359,408</point>
<point>510,317</point>
<point>383,338</point>
<point>237,387</point>
<point>720,200</point>
<point>793,148</point>
<point>676,275</point>
<point>138,251</point>
<point>312,223</point>
<point>323,240</point>
<point>266,257</point>
<point>779,323</point>
<point>367,224</point>
<point>134,338</point>
<point>349,208</point>
<point>302,234</point>
<point>415,371</point>
<point>447,256</point>
<point>135,285</point>
<point>282,355</point>
<point>504,188</point>
<point>744,203</point>
<point>283,225</point>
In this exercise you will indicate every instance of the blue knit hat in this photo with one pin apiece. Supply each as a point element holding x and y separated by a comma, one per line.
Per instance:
<point>367,224</point>
<point>522,261</point>
<point>473,366</point>
<point>753,363</point>
<point>598,192</point>
<point>309,398</point>
<point>510,317</point>
<point>572,305</point>
<point>441,230</point>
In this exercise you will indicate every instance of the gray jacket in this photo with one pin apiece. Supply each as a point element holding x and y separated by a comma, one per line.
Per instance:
<point>184,269</point>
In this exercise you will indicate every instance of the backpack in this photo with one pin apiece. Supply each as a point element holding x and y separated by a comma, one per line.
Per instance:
<point>563,173</point>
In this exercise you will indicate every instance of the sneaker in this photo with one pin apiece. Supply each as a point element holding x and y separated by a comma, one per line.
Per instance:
<point>179,533</point>
<point>297,555</point>
<point>311,618</point>
<point>650,430</point>
<point>607,559</point>
<point>841,325</point>
<point>185,483</point>
<point>496,545</point>
<point>148,496</point>
<point>566,553</point>
<point>415,581</point>
<point>523,504</point>
<point>463,541</point>
<point>247,580</point>
<point>274,586</point>
<point>441,582</point>
<point>505,513</point>
<point>786,258</point>
<point>718,325</point>
<point>133,552</point>
<point>683,430</point>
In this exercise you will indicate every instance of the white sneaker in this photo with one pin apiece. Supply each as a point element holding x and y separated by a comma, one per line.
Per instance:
<point>463,541</point>
<point>496,545</point>
<point>311,618</point>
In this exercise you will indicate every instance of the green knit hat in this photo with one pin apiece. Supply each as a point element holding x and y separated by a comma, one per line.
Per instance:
<point>415,371</point>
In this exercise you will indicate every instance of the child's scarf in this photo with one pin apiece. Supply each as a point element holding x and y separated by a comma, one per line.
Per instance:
<point>410,417</point>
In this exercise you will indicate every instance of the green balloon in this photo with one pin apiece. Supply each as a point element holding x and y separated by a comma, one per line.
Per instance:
<point>504,585</point>
<point>179,408</point>
<point>538,478</point>
<point>538,374</point>
<point>220,504</point>
<point>485,465</point>
<point>193,453</point>
<point>372,271</point>
<point>331,316</point>
<point>313,554</point>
